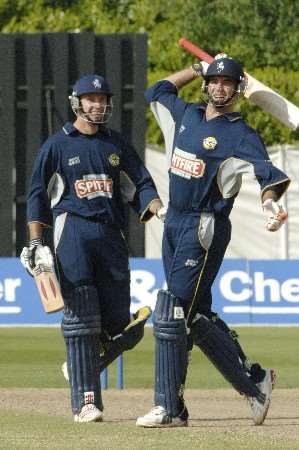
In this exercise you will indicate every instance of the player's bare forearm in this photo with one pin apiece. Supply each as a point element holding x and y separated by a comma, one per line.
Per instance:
<point>183,77</point>
<point>155,205</point>
<point>35,230</point>
<point>270,194</point>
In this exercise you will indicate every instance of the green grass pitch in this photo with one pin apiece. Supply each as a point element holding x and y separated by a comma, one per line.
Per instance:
<point>30,358</point>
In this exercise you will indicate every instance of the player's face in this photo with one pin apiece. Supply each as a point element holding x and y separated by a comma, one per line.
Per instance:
<point>221,89</point>
<point>93,106</point>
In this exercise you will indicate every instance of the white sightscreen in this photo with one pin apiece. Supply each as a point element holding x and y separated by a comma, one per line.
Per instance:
<point>249,236</point>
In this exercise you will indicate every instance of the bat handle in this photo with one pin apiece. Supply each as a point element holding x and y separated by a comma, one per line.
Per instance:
<point>196,51</point>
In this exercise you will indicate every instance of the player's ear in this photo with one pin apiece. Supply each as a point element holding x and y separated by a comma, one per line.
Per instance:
<point>74,101</point>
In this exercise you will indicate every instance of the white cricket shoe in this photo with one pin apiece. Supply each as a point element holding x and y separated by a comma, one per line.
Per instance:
<point>158,418</point>
<point>260,410</point>
<point>65,371</point>
<point>89,413</point>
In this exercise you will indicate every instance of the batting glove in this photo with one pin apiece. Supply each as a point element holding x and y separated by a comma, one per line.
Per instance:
<point>161,213</point>
<point>36,255</point>
<point>200,68</point>
<point>275,215</point>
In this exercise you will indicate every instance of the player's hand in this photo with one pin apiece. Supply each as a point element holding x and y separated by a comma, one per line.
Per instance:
<point>200,68</point>
<point>161,213</point>
<point>275,215</point>
<point>35,255</point>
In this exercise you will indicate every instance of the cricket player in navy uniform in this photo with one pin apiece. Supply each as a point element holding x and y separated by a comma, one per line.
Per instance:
<point>80,178</point>
<point>209,148</point>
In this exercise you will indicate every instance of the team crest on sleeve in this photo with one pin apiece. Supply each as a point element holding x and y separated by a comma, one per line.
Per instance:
<point>209,143</point>
<point>114,159</point>
<point>186,164</point>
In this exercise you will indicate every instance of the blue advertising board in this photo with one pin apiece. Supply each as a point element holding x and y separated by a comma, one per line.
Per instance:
<point>245,291</point>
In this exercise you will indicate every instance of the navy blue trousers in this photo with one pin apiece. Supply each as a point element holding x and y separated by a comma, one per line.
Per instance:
<point>96,254</point>
<point>190,270</point>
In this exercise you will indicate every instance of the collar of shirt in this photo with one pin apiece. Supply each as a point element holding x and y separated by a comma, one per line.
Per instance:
<point>69,128</point>
<point>232,117</point>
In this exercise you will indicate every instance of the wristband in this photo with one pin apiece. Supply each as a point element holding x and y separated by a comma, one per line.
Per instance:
<point>35,242</point>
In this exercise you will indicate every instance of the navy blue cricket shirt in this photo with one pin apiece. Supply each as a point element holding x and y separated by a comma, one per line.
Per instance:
<point>207,159</point>
<point>87,175</point>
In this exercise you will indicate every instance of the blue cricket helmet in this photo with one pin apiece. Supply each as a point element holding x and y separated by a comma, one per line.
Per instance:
<point>223,66</point>
<point>91,84</point>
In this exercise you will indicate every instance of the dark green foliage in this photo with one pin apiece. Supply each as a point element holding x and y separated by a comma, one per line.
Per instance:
<point>262,34</point>
<point>259,33</point>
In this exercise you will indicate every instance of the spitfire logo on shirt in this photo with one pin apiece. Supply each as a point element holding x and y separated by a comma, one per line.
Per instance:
<point>186,164</point>
<point>92,186</point>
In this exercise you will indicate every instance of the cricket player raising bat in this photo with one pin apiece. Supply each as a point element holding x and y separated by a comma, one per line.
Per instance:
<point>210,148</point>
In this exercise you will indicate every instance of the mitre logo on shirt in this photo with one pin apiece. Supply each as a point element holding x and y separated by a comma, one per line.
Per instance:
<point>92,186</point>
<point>74,160</point>
<point>186,164</point>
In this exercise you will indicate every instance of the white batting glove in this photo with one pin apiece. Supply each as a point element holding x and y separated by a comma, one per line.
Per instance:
<point>36,255</point>
<point>161,213</point>
<point>275,215</point>
<point>200,68</point>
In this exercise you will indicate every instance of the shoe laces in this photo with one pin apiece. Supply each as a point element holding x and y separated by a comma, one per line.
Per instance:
<point>89,407</point>
<point>157,410</point>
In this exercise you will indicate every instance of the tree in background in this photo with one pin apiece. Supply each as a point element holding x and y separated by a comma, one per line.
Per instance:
<point>262,34</point>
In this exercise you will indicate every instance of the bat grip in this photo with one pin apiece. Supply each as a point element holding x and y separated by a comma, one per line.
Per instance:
<point>196,51</point>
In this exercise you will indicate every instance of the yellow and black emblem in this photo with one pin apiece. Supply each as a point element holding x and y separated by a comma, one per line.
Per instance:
<point>114,160</point>
<point>209,143</point>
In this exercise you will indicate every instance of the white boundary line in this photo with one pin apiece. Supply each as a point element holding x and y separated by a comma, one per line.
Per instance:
<point>260,310</point>
<point>149,325</point>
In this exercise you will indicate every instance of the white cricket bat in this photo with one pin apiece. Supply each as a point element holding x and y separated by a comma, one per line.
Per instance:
<point>266,98</point>
<point>48,288</point>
